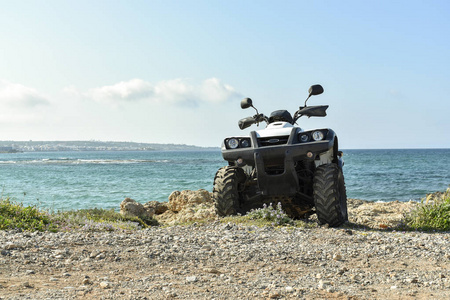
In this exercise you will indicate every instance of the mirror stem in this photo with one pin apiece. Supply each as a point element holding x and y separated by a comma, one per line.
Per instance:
<point>307,99</point>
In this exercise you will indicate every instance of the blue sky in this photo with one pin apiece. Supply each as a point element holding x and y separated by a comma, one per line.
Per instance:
<point>175,71</point>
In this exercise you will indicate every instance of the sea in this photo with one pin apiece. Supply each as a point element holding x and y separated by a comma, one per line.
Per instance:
<point>61,181</point>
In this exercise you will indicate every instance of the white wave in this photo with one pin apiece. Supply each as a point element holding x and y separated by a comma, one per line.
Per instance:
<point>83,161</point>
<point>79,161</point>
<point>7,162</point>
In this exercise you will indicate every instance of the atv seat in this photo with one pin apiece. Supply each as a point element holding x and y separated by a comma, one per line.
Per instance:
<point>281,115</point>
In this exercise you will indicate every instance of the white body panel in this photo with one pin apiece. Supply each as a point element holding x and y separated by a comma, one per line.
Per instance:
<point>276,129</point>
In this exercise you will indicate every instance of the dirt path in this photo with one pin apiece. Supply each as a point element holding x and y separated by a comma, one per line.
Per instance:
<point>362,260</point>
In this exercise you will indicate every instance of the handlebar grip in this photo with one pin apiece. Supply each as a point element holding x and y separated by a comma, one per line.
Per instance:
<point>246,122</point>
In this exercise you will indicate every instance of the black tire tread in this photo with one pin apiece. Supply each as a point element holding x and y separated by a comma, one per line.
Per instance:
<point>225,191</point>
<point>328,195</point>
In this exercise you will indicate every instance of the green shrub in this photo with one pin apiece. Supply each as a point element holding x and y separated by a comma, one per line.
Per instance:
<point>16,216</point>
<point>30,218</point>
<point>275,216</point>
<point>97,219</point>
<point>431,215</point>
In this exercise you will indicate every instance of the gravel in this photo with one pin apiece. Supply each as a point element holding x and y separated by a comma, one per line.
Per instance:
<point>223,261</point>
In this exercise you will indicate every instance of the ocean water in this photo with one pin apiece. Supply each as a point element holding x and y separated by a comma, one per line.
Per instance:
<point>389,175</point>
<point>74,180</point>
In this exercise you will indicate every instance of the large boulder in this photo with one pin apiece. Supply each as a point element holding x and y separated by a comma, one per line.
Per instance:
<point>180,200</point>
<point>131,208</point>
<point>188,206</point>
<point>186,215</point>
<point>157,207</point>
<point>183,206</point>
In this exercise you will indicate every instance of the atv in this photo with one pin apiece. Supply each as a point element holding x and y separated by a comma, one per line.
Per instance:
<point>282,163</point>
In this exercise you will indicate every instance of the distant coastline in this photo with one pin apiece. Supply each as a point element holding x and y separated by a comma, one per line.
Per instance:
<point>52,146</point>
<point>93,145</point>
<point>10,151</point>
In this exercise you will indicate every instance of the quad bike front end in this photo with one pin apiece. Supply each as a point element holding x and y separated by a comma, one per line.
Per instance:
<point>283,163</point>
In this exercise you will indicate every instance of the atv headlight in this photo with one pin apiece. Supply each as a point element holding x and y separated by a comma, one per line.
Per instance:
<point>303,137</point>
<point>317,135</point>
<point>245,143</point>
<point>233,143</point>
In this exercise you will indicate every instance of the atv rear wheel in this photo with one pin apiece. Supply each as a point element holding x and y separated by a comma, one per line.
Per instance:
<point>227,183</point>
<point>330,197</point>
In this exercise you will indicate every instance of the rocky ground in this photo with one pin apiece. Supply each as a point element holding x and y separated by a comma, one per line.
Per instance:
<point>364,259</point>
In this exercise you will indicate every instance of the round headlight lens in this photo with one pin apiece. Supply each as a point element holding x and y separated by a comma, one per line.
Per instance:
<point>233,143</point>
<point>245,143</point>
<point>317,135</point>
<point>304,138</point>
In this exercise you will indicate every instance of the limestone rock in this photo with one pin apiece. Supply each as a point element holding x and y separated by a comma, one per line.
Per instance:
<point>158,207</point>
<point>105,285</point>
<point>130,207</point>
<point>179,200</point>
<point>183,206</point>
<point>191,278</point>
<point>187,206</point>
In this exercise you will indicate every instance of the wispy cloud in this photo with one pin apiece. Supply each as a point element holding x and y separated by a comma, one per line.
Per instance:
<point>181,91</point>
<point>20,104</point>
<point>131,90</point>
<point>19,96</point>
<point>213,90</point>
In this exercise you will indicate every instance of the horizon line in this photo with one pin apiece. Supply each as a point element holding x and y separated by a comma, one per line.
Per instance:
<point>132,142</point>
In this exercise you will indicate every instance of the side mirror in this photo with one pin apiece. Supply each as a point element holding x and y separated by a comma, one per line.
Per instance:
<point>246,103</point>
<point>316,89</point>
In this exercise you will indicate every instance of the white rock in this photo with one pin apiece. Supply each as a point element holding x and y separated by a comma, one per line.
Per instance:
<point>10,246</point>
<point>323,284</point>
<point>337,256</point>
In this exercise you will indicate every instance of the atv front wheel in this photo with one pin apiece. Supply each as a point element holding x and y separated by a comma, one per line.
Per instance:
<point>226,190</point>
<point>330,196</point>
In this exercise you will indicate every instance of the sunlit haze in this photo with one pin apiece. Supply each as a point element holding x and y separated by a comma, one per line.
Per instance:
<point>175,71</point>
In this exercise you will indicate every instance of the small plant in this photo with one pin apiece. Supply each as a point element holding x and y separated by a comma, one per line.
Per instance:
<point>433,215</point>
<point>96,219</point>
<point>16,216</point>
<point>268,213</point>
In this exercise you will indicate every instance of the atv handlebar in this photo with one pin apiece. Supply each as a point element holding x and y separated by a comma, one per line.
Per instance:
<point>309,111</point>
<point>249,121</point>
<point>246,122</point>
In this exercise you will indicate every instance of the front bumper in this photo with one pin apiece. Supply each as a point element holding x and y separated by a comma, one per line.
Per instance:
<point>286,155</point>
